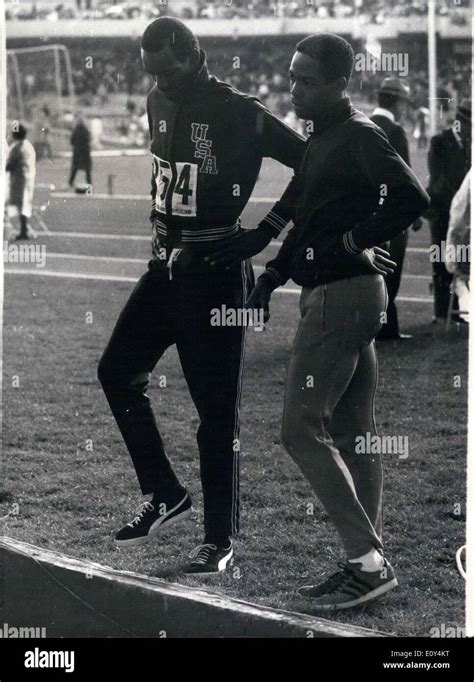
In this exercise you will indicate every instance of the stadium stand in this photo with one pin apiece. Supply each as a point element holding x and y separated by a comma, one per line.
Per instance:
<point>115,86</point>
<point>377,11</point>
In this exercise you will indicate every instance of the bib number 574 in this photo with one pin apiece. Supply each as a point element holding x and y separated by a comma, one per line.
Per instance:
<point>176,184</point>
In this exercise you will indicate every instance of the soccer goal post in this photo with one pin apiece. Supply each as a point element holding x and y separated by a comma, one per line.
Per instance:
<point>38,78</point>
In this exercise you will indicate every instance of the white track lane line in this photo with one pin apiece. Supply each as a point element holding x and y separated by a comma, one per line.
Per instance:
<point>69,275</point>
<point>144,261</point>
<point>135,197</point>
<point>141,238</point>
<point>99,259</point>
<point>143,197</point>
<point>117,278</point>
<point>100,235</point>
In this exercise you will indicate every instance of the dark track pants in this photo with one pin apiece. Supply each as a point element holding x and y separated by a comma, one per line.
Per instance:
<point>87,170</point>
<point>441,277</point>
<point>162,312</point>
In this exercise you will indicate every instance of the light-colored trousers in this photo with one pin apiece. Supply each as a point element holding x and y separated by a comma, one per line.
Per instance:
<point>329,401</point>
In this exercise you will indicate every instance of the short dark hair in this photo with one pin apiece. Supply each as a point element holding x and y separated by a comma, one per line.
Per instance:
<point>168,31</point>
<point>387,100</point>
<point>335,54</point>
<point>19,131</point>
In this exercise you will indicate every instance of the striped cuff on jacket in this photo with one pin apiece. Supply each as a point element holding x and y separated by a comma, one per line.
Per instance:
<point>349,244</point>
<point>275,222</point>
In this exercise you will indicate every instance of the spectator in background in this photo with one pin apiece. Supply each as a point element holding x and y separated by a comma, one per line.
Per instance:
<point>81,151</point>
<point>449,159</point>
<point>421,126</point>
<point>46,123</point>
<point>97,130</point>
<point>393,97</point>
<point>21,165</point>
<point>42,134</point>
<point>30,81</point>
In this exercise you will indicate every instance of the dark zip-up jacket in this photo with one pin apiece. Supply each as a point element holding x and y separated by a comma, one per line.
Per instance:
<point>351,192</point>
<point>207,148</point>
<point>449,159</point>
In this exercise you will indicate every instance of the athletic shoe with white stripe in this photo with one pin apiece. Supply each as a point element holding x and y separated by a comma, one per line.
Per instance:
<point>208,558</point>
<point>350,587</point>
<point>150,519</point>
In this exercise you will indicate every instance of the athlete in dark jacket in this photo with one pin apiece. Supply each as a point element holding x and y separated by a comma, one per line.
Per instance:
<point>207,151</point>
<point>352,192</point>
<point>207,141</point>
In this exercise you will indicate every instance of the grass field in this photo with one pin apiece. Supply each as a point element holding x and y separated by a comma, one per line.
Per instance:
<point>67,469</point>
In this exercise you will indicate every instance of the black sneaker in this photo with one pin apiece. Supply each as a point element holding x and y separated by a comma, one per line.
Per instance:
<point>150,520</point>
<point>209,558</point>
<point>350,587</point>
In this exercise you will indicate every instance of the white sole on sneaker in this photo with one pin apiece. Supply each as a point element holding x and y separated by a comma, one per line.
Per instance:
<point>373,594</point>
<point>156,527</point>
<point>221,566</point>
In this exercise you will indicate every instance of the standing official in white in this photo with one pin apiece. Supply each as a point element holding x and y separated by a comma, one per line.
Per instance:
<point>21,165</point>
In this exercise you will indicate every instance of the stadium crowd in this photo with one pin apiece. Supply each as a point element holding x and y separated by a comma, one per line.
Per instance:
<point>374,11</point>
<point>259,74</point>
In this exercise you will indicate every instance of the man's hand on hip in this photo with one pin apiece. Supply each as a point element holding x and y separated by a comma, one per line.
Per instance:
<point>378,260</point>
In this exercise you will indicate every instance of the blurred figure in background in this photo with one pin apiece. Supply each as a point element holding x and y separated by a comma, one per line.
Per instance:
<point>42,134</point>
<point>393,97</point>
<point>21,165</point>
<point>97,131</point>
<point>449,159</point>
<point>458,241</point>
<point>421,127</point>
<point>81,151</point>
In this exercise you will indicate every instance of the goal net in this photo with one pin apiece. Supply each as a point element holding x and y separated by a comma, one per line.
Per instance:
<point>41,93</point>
